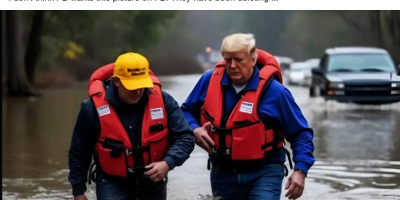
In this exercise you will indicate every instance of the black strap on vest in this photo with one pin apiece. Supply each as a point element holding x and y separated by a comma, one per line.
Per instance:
<point>137,153</point>
<point>278,138</point>
<point>117,149</point>
<point>289,158</point>
<point>222,132</point>
<point>92,170</point>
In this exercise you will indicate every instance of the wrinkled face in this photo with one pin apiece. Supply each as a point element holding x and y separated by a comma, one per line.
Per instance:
<point>128,96</point>
<point>239,66</point>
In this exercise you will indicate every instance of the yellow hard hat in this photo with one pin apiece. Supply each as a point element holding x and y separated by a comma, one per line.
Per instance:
<point>133,71</point>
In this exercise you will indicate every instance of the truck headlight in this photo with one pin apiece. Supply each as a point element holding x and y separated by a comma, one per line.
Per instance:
<point>336,85</point>
<point>395,84</point>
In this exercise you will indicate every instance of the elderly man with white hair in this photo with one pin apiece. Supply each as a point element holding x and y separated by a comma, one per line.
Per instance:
<point>242,115</point>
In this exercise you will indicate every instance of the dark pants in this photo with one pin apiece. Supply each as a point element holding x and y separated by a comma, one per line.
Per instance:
<point>111,188</point>
<point>261,184</point>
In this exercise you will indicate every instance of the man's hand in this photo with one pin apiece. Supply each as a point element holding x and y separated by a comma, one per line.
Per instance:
<point>295,185</point>
<point>158,171</point>
<point>80,197</point>
<point>203,139</point>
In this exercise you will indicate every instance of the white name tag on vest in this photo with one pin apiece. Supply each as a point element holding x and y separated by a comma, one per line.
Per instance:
<point>157,113</point>
<point>103,110</point>
<point>246,107</point>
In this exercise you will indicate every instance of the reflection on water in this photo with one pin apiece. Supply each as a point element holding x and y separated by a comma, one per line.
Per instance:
<point>36,136</point>
<point>358,134</point>
<point>356,147</point>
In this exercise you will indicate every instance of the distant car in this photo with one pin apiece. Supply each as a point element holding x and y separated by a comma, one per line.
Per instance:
<point>314,62</point>
<point>361,75</point>
<point>284,63</point>
<point>298,73</point>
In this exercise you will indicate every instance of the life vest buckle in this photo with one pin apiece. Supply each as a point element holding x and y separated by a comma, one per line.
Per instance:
<point>136,149</point>
<point>221,130</point>
<point>222,151</point>
<point>140,169</point>
<point>131,170</point>
<point>213,129</point>
<point>228,152</point>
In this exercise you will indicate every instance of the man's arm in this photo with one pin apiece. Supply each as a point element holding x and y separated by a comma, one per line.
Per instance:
<point>192,106</point>
<point>296,130</point>
<point>300,136</point>
<point>278,103</point>
<point>86,131</point>
<point>180,134</point>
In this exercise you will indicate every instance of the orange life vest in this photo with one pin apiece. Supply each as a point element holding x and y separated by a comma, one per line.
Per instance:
<point>243,135</point>
<point>115,153</point>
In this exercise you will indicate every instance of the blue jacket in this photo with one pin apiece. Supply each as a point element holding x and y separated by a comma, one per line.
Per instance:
<point>277,104</point>
<point>87,130</point>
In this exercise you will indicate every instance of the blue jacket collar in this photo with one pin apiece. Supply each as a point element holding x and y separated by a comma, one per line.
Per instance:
<point>251,85</point>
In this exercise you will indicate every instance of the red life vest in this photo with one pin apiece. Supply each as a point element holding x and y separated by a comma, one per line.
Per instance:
<point>115,153</point>
<point>243,136</point>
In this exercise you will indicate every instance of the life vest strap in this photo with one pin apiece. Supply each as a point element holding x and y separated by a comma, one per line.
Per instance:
<point>92,173</point>
<point>135,171</point>
<point>275,144</point>
<point>241,124</point>
<point>140,149</point>
<point>115,146</point>
<point>225,152</point>
<point>137,153</point>
<point>222,132</point>
<point>289,158</point>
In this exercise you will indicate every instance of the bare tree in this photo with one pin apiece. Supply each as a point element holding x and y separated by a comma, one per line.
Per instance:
<point>3,47</point>
<point>34,46</point>
<point>376,26</point>
<point>352,18</point>
<point>18,84</point>
<point>393,22</point>
<point>381,27</point>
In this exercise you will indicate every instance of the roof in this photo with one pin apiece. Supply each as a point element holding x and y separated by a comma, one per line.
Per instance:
<point>344,50</point>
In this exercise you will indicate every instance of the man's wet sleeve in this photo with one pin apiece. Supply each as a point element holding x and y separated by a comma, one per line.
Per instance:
<point>180,134</point>
<point>82,147</point>
<point>296,130</point>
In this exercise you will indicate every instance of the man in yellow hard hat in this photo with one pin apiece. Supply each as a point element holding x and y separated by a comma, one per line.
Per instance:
<point>135,132</point>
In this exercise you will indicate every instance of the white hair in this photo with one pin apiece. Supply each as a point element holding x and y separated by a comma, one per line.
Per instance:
<point>239,41</point>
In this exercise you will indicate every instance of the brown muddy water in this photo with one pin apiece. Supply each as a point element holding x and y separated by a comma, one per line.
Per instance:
<point>357,148</point>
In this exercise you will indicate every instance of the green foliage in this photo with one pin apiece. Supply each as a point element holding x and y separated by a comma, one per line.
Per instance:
<point>97,37</point>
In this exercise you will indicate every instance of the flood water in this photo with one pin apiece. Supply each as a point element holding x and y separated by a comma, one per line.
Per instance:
<point>357,148</point>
